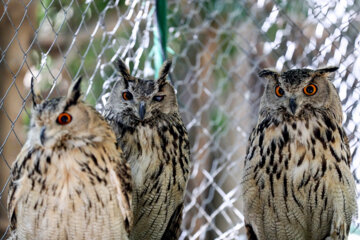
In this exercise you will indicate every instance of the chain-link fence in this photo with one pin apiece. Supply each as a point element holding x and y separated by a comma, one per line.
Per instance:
<point>217,46</point>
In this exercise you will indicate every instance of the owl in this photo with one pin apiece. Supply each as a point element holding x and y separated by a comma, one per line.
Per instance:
<point>149,129</point>
<point>297,182</point>
<point>69,181</point>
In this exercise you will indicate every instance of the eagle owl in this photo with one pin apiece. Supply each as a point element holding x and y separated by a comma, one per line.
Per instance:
<point>297,182</point>
<point>69,181</point>
<point>146,120</point>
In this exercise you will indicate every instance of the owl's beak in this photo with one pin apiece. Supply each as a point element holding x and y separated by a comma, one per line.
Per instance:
<point>42,135</point>
<point>142,110</point>
<point>292,105</point>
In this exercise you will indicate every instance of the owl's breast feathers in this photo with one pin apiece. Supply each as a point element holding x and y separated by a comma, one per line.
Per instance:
<point>79,193</point>
<point>158,153</point>
<point>297,178</point>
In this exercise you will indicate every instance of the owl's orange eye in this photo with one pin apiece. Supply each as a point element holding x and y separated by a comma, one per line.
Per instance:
<point>310,89</point>
<point>127,96</point>
<point>64,118</point>
<point>279,91</point>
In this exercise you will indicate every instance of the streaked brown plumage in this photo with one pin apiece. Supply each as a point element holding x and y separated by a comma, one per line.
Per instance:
<point>297,182</point>
<point>69,180</point>
<point>145,117</point>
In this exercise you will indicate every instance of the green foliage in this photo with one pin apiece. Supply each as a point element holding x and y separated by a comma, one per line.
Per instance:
<point>219,10</point>
<point>65,15</point>
<point>271,33</point>
<point>56,11</point>
<point>86,63</point>
<point>25,119</point>
<point>293,7</point>
<point>218,122</point>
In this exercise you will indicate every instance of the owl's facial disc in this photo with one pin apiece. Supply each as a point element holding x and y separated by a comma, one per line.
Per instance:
<point>52,120</point>
<point>292,102</point>
<point>133,100</point>
<point>299,92</point>
<point>296,99</point>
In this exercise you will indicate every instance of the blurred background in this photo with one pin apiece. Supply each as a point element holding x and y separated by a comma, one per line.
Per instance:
<point>217,47</point>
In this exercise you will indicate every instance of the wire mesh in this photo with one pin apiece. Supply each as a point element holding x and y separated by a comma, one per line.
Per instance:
<point>217,47</point>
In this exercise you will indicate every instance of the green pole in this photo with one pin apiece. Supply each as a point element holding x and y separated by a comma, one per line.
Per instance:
<point>161,12</point>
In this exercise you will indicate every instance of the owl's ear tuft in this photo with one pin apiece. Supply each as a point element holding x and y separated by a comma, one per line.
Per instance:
<point>74,93</point>
<point>165,69</point>
<point>36,98</point>
<point>269,74</point>
<point>123,69</point>
<point>326,70</point>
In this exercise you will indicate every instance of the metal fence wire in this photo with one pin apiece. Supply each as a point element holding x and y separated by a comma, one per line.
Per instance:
<point>217,46</point>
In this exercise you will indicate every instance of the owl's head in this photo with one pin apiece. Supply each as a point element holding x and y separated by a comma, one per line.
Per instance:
<point>300,92</point>
<point>65,121</point>
<point>134,100</point>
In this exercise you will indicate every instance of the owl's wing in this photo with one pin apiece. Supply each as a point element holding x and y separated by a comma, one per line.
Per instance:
<point>250,232</point>
<point>172,231</point>
<point>347,150</point>
<point>17,172</point>
<point>11,202</point>
<point>120,176</point>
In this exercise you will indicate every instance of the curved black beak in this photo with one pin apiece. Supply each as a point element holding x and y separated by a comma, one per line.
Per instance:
<point>142,110</point>
<point>292,105</point>
<point>42,135</point>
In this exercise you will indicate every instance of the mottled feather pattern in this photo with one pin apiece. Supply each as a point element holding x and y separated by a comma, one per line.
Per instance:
<point>70,183</point>
<point>297,182</point>
<point>145,117</point>
<point>158,153</point>
<point>173,229</point>
<point>281,179</point>
<point>72,198</point>
<point>124,175</point>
